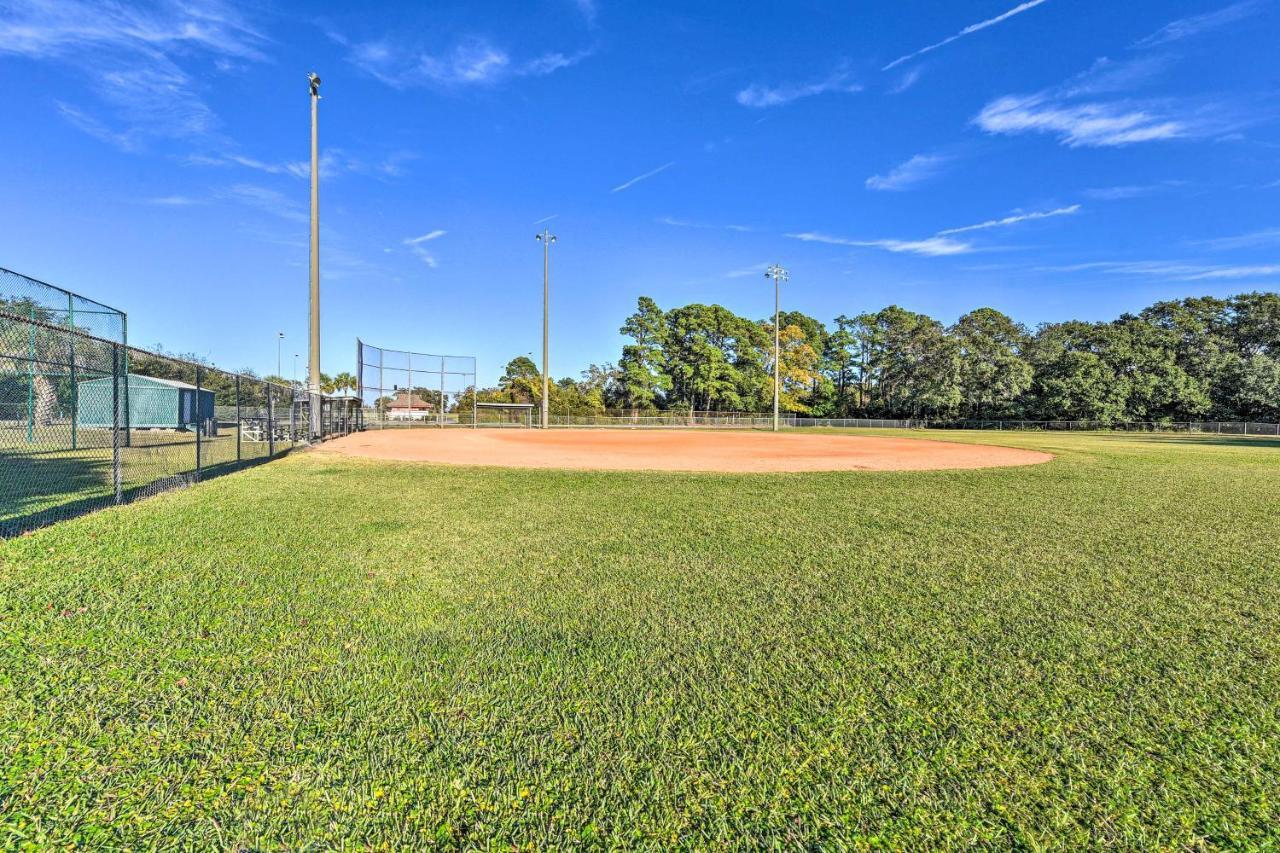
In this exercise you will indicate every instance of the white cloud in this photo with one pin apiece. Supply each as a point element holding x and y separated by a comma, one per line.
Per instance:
<point>420,251</point>
<point>1013,220</point>
<point>430,235</point>
<point>134,51</point>
<point>930,247</point>
<point>587,8</point>
<point>269,201</point>
<point>969,30</point>
<point>759,96</point>
<point>918,169</point>
<point>1252,240</point>
<point>1196,24</point>
<point>471,62</point>
<point>172,201</point>
<point>1093,125</point>
<point>1128,191</point>
<point>638,178</point>
<point>1078,117</point>
<point>907,80</point>
<point>743,272</point>
<point>1173,270</point>
<point>63,28</point>
<point>685,223</point>
<point>545,219</point>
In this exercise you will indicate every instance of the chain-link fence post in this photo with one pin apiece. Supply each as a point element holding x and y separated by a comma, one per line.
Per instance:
<point>116,479</point>
<point>271,423</point>
<point>237,418</point>
<point>198,411</point>
<point>71,341</point>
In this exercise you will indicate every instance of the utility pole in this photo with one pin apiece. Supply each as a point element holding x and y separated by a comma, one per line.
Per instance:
<point>279,345</point>
<point>547,238</point>
<point>778,274</point>
<point>313,370</point>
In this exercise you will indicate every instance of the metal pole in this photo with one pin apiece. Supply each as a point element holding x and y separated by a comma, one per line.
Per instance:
<point>115,422</point>
<point>71,340</point>
<point>314,360</point>
<point>547,239</point>
<point>31,380</point>
<point>271,423</point>
<point>128,417</point>
<point>441,415</point>
<point>778,274</point>
<point>198,412</point>
<point>238,424</point>
<point>546,328</point>
<point>279,346</point>
<point>776,348</point>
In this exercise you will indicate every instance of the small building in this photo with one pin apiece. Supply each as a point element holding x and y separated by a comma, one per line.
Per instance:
<point>405,406</point>
<point>153,404</point>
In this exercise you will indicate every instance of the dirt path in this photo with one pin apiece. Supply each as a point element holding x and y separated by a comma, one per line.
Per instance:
<point>674,450</point>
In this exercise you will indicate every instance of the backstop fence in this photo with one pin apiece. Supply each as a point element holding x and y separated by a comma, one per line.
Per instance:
<point>399,389</point>
<point>86,421</point>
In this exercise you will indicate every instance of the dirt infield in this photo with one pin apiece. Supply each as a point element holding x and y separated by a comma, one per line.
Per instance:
<point>675,450</point>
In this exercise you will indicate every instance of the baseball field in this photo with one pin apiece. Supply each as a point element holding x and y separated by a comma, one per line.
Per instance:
<point>334,651</point>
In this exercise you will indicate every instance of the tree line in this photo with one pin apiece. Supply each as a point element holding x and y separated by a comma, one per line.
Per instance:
<point>1200,358</point>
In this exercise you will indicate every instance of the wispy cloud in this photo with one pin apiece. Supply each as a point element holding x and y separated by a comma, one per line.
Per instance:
<point>545,219</point>
<point>743,272</point>
<point>906,81</point>
<point>1252,240</point>
<point>172,201</point>
<point>1196,24</point>
<point>1075,113</point>
<point>1014,219</point>
<point>472,62</point>
<point>969,30</point>
<point>917,170</point>
<point>930,247</point>
<point>136,52</point>
<point>638,178</point>
<point>759,96</point>
<point>420,251</point>
<point>1172,270</point>
<point>587,8</point>
<point>1128,191</point>
<point>269,201</point>
<point>333,162</point>
<point>686,223</point>
<point>430,235</point>
<point>1086,125</point>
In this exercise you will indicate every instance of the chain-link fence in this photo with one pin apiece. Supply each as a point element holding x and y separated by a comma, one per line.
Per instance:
<point>400,389</point>
<point>87,421</point>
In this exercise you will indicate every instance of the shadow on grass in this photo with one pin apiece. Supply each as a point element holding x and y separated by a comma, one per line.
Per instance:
<point>37,489</point>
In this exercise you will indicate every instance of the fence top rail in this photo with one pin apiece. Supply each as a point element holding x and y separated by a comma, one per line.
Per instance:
<point>64,291</point>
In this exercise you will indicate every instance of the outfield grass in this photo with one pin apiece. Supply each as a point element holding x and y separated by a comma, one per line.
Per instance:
<point>325,652</point>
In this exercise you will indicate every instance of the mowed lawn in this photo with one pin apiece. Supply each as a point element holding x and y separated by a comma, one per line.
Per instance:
<point>322,653</point>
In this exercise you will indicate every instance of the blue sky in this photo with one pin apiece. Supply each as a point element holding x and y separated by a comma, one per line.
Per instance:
<point>1052,159</point>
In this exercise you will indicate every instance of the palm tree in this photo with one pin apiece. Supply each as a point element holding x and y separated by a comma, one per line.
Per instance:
<point>343,382</point>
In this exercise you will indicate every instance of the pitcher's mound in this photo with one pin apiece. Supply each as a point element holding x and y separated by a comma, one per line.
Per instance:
<point>674,450</point>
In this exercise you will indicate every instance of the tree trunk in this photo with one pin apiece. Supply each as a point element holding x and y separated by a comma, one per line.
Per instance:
<point>46,400</point>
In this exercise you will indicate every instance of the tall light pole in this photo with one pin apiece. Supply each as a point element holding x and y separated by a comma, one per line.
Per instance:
<point>279,345</point>
<point>547,238</point>
<point>313,369</point>
<point>778,274</point>
<point>295,373</point>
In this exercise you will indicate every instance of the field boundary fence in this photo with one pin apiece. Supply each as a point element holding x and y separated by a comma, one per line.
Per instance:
<point>87,421</point>
<point>758,420</point>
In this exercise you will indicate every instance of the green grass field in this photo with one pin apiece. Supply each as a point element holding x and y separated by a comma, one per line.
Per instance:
<point>342,653</point>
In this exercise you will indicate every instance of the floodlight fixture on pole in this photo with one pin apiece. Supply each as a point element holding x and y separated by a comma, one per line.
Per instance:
<point>313,369</point>
<point>279,345</point>
<point>778,274</point>
<point>546,238</point>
